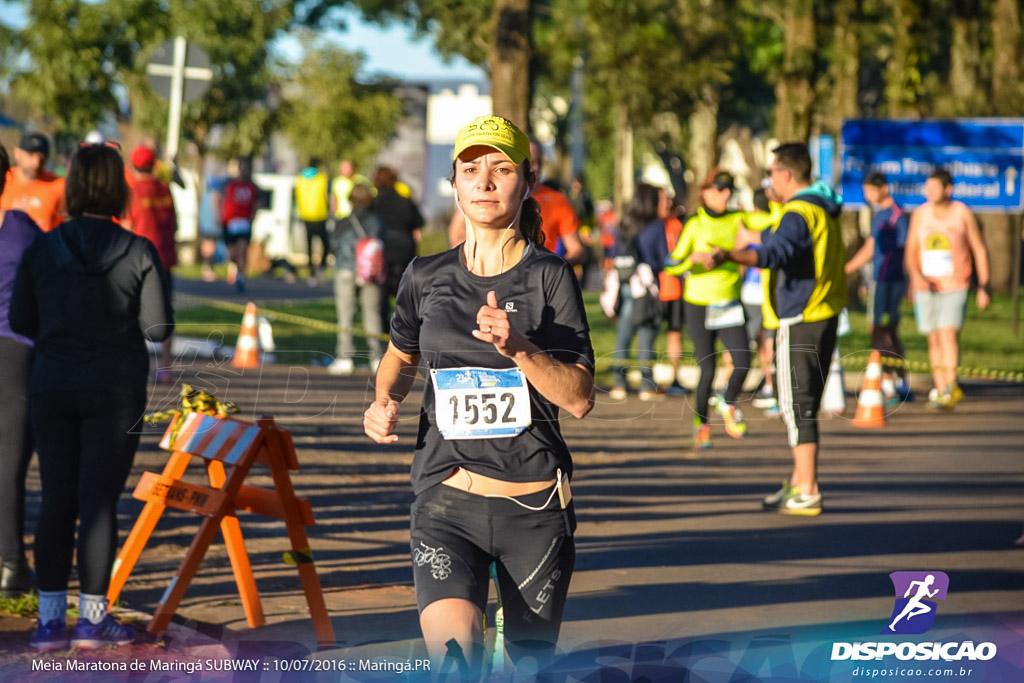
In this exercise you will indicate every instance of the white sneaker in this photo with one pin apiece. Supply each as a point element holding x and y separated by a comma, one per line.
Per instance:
<point>341,366</point>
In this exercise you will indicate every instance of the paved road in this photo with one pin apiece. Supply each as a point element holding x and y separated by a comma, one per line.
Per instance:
<point>676,561</point>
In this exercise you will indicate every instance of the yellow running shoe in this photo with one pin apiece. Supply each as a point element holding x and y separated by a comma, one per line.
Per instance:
<point>734,424</point>
<point>701,434</point>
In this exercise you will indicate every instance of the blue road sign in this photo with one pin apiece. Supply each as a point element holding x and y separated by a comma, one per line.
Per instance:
<point>984,156</point>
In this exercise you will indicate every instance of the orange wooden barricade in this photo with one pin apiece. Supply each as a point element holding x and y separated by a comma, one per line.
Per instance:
<point>236,444</point>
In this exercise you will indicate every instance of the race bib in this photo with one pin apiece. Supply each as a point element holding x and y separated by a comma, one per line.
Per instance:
<point>239,226</point>
<point>480,403</point>
<point>722,315</point>
<point>937,258</point>
<point>937,263</point>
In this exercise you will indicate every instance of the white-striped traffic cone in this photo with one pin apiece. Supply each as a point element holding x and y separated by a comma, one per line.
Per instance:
<point>247,351</point>
<point>833,401</point>
<point>870,403</point>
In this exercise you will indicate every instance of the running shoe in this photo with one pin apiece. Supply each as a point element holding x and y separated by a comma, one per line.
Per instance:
<point>904,391</point>
<point>53,635</point>
<point>715,398</point>
<point>651,396</point>
<point>677,389</point>
<point>240,283</point>
<point>764,398</point>
<point>934,401</point>
<point>801,504</point>
<point>773,411</point>
<point>90,636</point>
<point>954,394</point>
<point>734,424</point>
<point>776,499</point>
<point>701,435</point>
<point>341,366</point>
<point>617,394</point>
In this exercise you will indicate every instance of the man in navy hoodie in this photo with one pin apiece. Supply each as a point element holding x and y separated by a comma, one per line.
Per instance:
<point>806,290</point>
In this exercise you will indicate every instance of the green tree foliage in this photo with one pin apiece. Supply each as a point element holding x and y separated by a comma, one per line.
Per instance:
<point>493,34</point>
<point>237,35</point>
<point>76,53</point>
<point>80,57</point>
<point>327,113</point>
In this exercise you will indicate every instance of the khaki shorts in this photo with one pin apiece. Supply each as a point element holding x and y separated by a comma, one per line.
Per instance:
<point>936,310</point>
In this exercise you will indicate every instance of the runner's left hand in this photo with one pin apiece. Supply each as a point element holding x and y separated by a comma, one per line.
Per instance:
<point>983,299</point>
<point>495,328</point>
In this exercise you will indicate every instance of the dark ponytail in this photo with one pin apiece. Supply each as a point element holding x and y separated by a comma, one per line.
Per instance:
<point>531,223</point>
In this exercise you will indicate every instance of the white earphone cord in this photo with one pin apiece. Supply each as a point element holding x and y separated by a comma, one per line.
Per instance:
<point>557,487</point>
<point>470,226</point>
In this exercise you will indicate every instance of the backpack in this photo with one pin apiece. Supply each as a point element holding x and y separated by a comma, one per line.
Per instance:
<point>371,266</point>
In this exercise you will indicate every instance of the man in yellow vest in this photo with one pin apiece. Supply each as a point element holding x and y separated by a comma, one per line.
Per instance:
<point>311,200</point>
<point>341,188</point>
<point>805,259</point>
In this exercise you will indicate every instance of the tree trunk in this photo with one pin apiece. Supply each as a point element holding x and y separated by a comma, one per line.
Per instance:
<point>965,55</point>
<point>845,65</point>
<point>509,58</point>
<point>703,147</point>
<point>794,93</point>
<point>1006,93</point>
<point>902,78</point>
<point>623,186</point>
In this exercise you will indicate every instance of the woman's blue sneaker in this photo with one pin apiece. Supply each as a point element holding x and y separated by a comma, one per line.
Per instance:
<point>53,635</point>
<point>90,636</point>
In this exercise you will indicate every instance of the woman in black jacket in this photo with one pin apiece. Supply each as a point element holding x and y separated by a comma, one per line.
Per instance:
<point>89,293</point>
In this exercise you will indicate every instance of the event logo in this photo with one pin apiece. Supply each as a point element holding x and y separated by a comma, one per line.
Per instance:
<point>914,613</point>
<point>916,592</point>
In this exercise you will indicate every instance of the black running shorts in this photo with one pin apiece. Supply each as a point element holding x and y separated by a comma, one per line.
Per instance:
<point>455,536</point>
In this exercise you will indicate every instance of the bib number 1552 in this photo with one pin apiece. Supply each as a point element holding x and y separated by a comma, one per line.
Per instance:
<point>480,403</point>
<point>484,408</point>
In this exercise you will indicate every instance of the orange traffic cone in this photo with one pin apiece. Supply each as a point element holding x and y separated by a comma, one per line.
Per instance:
<point>247,351</point>
<point>870,403</point>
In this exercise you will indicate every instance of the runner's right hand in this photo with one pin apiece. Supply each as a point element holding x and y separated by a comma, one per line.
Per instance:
<point>380,421</point>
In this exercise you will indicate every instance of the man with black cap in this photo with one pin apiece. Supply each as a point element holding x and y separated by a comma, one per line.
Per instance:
<point>30,187</point>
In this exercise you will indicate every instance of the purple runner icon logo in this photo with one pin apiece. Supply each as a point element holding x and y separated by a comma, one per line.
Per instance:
<point>914,611</point>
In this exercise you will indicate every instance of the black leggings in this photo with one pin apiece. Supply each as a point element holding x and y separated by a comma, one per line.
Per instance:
<point>734,339</point>
<point>15,447</point>
<point>317,229</point>
<point>86,443</point>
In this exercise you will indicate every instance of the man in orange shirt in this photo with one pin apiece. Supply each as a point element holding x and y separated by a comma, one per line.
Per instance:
<point>560,222</point>
<point>30,187</point>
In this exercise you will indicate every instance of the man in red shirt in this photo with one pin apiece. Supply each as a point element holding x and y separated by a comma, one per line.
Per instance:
<point>151,215</point>
<point>30,187</point>
<point>239,201</point>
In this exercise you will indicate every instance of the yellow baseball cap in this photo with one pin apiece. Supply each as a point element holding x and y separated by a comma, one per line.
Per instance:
<point>496,132</point>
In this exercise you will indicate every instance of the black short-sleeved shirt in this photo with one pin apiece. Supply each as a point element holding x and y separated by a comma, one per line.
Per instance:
<point>435,314</point>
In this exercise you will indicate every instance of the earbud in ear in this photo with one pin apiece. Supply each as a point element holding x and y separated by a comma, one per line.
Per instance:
<point>526,194</point>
